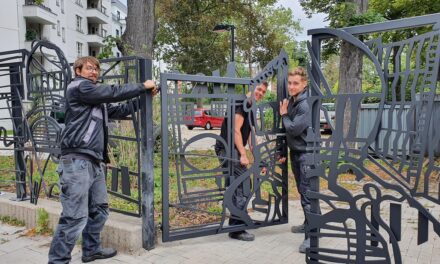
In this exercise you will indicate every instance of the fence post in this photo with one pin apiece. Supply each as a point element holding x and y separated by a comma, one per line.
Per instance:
<point>18,130</point>
<point>314,181</point>
<point>147,172</point>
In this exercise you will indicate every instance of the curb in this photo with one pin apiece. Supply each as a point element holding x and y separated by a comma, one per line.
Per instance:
<point>120,232</point>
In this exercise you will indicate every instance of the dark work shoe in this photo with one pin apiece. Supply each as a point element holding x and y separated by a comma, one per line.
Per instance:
<point>242,235</point>
<point>304,245</point>
<point>298,229</point>
<point>103,254</point>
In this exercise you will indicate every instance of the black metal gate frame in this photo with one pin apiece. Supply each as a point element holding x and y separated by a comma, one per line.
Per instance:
<point>38,130</point>
<point>175,114</point>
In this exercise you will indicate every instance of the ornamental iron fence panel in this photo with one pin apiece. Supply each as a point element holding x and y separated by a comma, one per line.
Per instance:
<point>393,163</point>
<point>199,185</point>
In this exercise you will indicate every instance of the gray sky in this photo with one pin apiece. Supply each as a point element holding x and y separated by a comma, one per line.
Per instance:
<point>316,21</point>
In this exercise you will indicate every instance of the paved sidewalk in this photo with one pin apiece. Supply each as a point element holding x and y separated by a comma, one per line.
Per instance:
<point>272,245</point>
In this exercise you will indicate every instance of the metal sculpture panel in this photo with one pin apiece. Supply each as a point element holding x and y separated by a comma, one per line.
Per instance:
<point>37,122</point>
<point>199,186</point>
<point>47,76</point>
<point>394,164</point>
<point>11,118</point>
<point>124,170</point>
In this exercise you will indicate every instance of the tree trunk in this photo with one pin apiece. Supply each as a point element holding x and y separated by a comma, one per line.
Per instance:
<point>350,74</point>
<point>141,29</point>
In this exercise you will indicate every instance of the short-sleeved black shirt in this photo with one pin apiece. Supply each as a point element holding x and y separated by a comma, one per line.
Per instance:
<point>245,129</point>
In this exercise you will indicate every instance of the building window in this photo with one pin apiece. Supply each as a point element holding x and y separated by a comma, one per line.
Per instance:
<point>78,2</point>
<point>63,34</point>
<point>58,2</point>
<point>54,26</point>
<point>118,54</point>
<point>62,6</point>
<point>104,33</point>
<point>118,15</point>
<point>79,24</point>
<point>117,33</point>
<point>58,28</point>
<point>79,47</point>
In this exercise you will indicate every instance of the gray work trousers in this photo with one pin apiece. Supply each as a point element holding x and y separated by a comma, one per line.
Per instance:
<point>85,208</point>
<point>299,168</point>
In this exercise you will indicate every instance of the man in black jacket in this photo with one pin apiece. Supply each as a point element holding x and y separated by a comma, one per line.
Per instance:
<point>296,118</point>
<point>84,152</point>
<point>241,137</point>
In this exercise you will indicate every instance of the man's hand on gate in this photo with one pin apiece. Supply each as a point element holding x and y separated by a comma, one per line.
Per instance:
<point>283,107</point>
<point>244,160</point>
<point>150,85</point>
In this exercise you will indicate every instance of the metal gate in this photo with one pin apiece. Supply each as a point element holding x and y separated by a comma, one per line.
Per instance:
<point>197,198</point>
<point>37,128</point>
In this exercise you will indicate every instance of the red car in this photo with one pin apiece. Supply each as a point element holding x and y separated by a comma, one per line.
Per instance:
<point>203,118</point>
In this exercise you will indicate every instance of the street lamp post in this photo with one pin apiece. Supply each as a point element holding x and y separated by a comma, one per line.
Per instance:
<point>225,27</point>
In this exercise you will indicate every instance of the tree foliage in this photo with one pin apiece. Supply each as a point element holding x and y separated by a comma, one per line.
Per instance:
<point>186,41</point>
<point>395,9</point>
<point>109,42</point>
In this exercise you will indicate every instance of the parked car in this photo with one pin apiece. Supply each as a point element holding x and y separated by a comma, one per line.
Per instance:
<point>203,118</point>
<point>330,109</point>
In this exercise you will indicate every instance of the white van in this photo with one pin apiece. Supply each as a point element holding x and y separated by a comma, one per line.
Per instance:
<point>327,121</point>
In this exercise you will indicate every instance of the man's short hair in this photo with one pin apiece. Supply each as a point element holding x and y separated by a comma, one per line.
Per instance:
<point>80,62</point>
<point>265,83</point>
<point>299,71</point>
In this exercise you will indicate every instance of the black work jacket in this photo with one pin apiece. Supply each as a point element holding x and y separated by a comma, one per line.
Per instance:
<point>87,110</point>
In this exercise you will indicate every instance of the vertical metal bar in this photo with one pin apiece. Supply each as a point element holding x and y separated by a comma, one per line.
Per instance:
<point>396,220</point>
<point>314,181</point>
<point>375,224</point>
<point>422,229</point>
<point>165,160</point>
<point>232,43</point>
<point>147,172</point>
<point>18,129</point>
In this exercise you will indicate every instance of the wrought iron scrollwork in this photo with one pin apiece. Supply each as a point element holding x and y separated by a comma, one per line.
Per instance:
<point>393,161</point>
<point>195,191</point>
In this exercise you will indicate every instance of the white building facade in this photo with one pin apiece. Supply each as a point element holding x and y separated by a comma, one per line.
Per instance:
<point>78,27</point>
<point>119,13</point>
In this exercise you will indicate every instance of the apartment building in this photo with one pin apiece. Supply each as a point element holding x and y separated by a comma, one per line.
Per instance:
<point>119,13</point>
<point>78,27</point>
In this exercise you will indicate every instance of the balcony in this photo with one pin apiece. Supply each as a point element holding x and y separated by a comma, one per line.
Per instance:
<point>37,13</point>
<point>97,15</point>
<point>95,40</point>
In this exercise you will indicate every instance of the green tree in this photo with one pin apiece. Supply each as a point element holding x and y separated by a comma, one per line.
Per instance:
<point>263,30</point>
<point>397,9</point>
<point>186,41</point>
<point>110,42</point>
<point>342,14</point>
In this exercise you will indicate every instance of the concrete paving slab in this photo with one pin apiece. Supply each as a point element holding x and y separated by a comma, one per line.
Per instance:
<point>275,244</point>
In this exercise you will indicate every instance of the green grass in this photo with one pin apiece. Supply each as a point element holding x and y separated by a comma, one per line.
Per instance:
<point>42,227</point>
<point>11,221</point>
<point>201,162</point>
